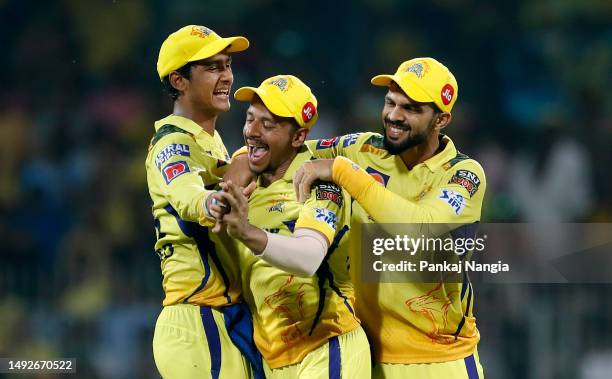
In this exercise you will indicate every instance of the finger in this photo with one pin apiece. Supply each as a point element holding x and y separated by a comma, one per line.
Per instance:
<point>230,199</point>
<point>241,200</point>
<point>305,186</point>
<point>218,226</point>
<point>218,212</point>
<point>297,178</point>
<point>248,190</point>
<point>236,193</point>
<point>217,200</point>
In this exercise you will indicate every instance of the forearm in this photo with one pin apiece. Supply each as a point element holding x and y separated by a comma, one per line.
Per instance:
<point>380,203</point>
<point>300,254</point>
<point>254,238</point>
<point>239,171</point>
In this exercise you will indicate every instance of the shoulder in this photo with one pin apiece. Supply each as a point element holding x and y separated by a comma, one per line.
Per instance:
<point>466,172</point>
<point>168,132</point>
<point>170,141</point>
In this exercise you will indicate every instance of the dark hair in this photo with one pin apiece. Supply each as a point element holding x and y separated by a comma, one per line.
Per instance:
<point>436,108</point>
<point>185,72</point>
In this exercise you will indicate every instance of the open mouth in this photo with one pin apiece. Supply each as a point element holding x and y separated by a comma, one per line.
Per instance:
<point>223,93</point>
<point>257,152</point>
<point>396,131</point>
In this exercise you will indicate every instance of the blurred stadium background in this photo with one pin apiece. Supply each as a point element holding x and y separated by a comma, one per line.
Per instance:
<point>78,274</point>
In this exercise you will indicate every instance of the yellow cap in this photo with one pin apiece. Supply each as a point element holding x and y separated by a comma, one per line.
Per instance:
<point>193,43</point>
<point>285,96</point>
<point>424,80</point>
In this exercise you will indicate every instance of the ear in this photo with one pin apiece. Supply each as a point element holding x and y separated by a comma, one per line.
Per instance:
<point>299,137</point>
<point>442,120</point>
<point>178,81</point>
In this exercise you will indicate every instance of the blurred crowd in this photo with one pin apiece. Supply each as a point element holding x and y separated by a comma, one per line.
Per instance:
<point>78,274</point>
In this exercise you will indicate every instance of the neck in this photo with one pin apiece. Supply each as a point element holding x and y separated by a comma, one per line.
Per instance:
<point>205,120</point>
<point>268,178</point>
<point>422,152</point>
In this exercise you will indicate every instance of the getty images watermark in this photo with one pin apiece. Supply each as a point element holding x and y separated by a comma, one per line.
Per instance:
<point>428,246</point>
<point>506,253</point>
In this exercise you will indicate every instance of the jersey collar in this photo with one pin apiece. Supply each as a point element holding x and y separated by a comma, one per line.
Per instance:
<point>442,157</point>
<point>180,122</point>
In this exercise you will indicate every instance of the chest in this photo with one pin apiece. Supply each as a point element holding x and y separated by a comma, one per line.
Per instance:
<point>275,208</point>
<point>391,173</point>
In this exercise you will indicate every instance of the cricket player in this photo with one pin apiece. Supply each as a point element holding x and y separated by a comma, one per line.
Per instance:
<point>410,174</point>
<point>186,160</point>
<point>296,275</point>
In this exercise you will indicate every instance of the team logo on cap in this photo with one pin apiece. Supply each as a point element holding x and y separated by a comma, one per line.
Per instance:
<point>201,31</point>
<point>281,83</point>
<point>447,94</point>
<point>419,69</point>
<point>308,111</point>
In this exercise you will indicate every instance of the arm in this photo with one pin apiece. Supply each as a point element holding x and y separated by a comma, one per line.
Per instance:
<point>239,172</point>
<point>179,170</point>
<point>449,202</point>
<point>300,254</point>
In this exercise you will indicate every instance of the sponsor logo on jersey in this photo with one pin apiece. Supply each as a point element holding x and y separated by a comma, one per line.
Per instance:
<point>330,192</point>
<point>325,215</point>
<point>455,200</point>
<point>327,143</point>
<point>466,179</point>
<point>170,151</point>
<point>378,176</point>
<point>173,170</point>
<point>350,139</point>
<point>278,207</point>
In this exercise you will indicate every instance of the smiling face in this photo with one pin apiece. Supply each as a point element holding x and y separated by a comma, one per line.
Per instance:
<point>406,123</point>
<point>210,83</point>
<point>272,141</point>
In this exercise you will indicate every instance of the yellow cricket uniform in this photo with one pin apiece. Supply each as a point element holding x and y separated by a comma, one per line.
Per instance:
<point>201,279</point>
<point>294,316</point>
<point>411,323</point>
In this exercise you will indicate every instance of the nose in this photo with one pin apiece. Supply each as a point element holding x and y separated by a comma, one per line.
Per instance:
<point>396,115</point>
<point>252,129</point>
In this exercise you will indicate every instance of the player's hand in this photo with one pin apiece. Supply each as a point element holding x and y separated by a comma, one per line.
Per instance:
<point>320,169</point>
<point>216,206</point>
<point>239,172</point>
<point>236,220</point>
<point>248,190</point>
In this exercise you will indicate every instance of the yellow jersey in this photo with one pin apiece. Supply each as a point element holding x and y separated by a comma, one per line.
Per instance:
<point>294,315</point>
<point>411,322</point>
<point>185,162</point>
